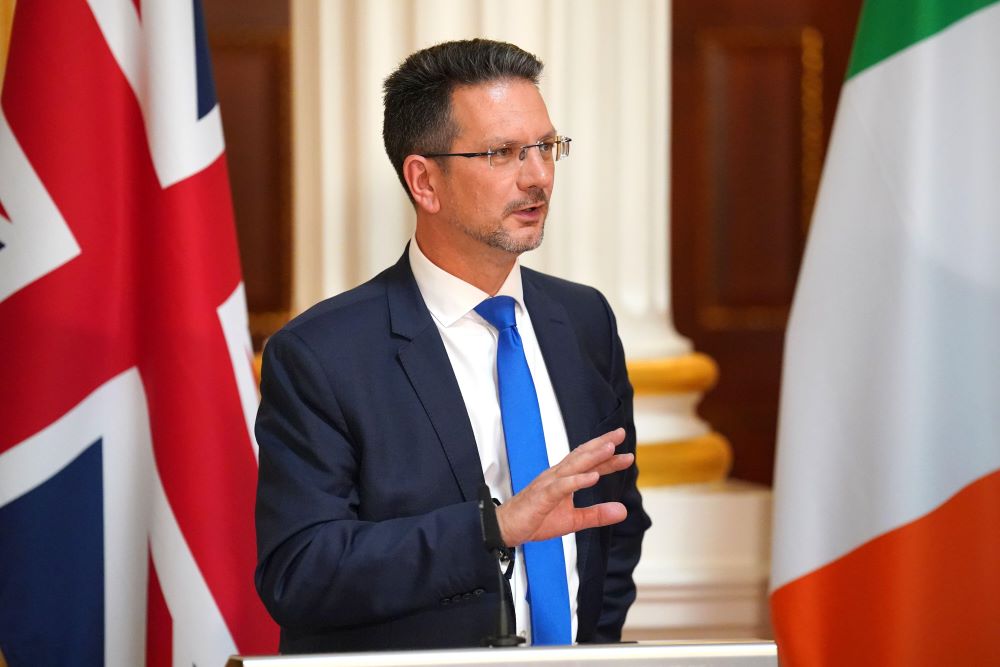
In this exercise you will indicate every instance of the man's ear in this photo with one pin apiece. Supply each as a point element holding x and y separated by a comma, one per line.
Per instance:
<point>419,173</point>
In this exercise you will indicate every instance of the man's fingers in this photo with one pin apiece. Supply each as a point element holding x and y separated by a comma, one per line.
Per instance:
<point>617,463</point>
<point>544,508</point>
<point>617,437</point>
<point>591,453</point>
<point>565,486</point>
<point>558,488</point>
<point>595,516</point>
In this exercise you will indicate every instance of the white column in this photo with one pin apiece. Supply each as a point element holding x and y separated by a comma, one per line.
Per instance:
<point>605,83</point>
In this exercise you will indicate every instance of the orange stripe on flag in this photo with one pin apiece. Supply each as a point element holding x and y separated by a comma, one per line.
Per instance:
<point>927,593</point>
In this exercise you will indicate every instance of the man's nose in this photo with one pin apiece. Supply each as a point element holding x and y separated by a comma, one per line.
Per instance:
<point>535,171</point>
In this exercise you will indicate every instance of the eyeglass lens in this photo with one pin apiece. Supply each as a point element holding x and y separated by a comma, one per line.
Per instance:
<point>550,150</point>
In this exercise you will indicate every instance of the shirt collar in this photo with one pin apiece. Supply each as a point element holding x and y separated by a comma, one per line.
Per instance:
<point>448,297</point>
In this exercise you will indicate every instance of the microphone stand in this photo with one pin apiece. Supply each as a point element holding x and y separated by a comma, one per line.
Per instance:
<point>504,636</point>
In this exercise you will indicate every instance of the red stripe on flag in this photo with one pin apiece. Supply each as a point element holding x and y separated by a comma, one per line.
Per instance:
<point>3,212</point>
<point>927,593</point>
<point>154,266</point>
<point>159,635</point>
<point>81,132</point>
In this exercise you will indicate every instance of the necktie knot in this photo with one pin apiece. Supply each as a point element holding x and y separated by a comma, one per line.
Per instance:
<point>498,311</point>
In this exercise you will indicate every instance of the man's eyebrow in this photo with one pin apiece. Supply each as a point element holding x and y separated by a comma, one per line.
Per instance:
<point>504,141</point>
<point>500,141</point>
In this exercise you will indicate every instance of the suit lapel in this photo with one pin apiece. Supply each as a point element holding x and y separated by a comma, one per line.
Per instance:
<point>563,361</point>
<point>565,365</point>
<point>426,364</point>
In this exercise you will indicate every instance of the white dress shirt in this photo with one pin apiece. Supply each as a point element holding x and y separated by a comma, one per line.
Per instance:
<point>471,343</point>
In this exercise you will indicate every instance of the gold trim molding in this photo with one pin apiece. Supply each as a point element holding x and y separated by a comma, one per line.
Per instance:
<point>6,19</point>
<point>812,119</point>
<point>264,323</point>
<point>707,458</point>
<point>695,372</point>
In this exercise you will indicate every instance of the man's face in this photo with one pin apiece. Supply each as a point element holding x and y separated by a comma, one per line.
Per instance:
<point>502,207</point>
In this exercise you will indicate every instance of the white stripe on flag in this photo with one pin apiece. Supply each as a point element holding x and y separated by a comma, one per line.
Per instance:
<point>901,271</point>
<point>135,520</point>
<point>157,56</point>
<point>37,240</point>
<point>236,328</point>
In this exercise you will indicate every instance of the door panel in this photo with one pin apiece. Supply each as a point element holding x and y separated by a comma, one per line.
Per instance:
<point>754,89</point>
<point>250,56</point>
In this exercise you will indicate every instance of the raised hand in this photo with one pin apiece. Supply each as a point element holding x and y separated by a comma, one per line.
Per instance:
<point>544,508</point>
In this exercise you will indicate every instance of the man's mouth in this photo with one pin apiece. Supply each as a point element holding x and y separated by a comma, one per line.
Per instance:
<point>530,208</point>
<point>530,213</point>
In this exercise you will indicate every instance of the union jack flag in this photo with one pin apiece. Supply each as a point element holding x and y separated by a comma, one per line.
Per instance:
<point>127,458</point>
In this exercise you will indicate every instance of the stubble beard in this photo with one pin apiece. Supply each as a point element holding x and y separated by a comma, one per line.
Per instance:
<point>502,239</point>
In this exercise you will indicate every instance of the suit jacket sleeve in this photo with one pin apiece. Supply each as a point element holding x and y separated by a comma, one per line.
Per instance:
<point>626,537</point>
<point>320,565</point>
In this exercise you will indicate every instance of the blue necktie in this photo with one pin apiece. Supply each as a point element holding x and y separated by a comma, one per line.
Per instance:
<point>548,593</point>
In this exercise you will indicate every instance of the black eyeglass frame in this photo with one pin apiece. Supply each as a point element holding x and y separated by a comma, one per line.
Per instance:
<point>559,143</point>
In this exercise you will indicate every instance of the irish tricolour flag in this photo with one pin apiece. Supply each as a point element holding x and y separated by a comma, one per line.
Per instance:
<point>887,520</point>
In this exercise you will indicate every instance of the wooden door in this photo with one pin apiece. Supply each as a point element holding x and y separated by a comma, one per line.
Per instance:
<point>754,89</point>
<point>250,56</point>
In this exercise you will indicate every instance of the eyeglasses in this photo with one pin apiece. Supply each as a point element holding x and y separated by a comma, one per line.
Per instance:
<point>551,150</point>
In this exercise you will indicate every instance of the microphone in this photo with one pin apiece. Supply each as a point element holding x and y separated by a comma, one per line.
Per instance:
<point>495,546</point>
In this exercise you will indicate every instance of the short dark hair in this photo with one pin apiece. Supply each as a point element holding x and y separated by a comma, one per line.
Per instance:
<point>417,117</point>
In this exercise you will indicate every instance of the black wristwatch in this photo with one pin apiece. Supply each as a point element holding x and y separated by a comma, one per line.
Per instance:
<point>491,530</point>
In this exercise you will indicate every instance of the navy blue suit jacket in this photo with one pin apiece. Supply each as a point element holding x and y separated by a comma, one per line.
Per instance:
<point>368,526</point>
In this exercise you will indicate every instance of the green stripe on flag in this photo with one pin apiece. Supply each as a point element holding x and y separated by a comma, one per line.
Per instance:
<point>889,26</point>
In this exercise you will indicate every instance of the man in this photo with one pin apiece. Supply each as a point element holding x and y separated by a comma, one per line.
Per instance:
<point>381,415</point>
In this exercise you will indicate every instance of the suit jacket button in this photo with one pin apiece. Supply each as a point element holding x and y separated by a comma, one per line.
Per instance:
<point>457,597</point>
<point>467,596</point>
<point>478,592</point>
<point>445,600</point>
